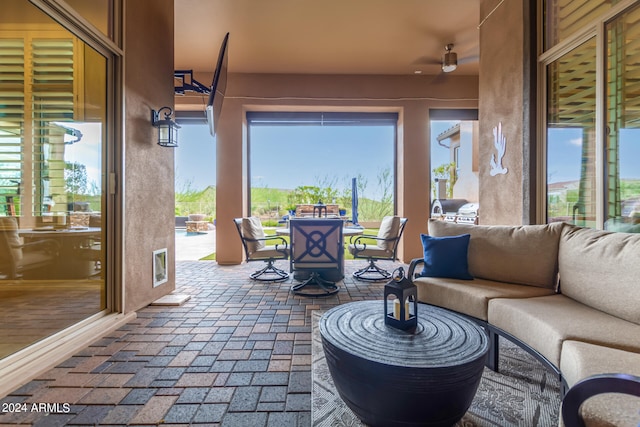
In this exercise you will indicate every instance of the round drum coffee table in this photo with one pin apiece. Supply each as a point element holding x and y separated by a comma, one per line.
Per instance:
<point>389,377</point>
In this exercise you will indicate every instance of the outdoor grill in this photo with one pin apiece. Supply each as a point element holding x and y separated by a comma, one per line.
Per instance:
<point>455,210</point>
<point>468,213</point>
<point>443,208</point>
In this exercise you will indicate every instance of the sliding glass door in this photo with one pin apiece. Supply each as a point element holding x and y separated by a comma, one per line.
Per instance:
<point>53,121</point>
<point>622,143</point>
<point>571,137</point>
<point>593,114</point>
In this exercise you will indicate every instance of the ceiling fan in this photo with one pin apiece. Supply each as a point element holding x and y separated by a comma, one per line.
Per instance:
<point>449,59</point>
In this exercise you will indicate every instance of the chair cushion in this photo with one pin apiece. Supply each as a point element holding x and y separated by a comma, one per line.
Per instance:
<point>270,252</point>
<point>252,230</point>
<point>446,256</point>
<point>525,255</point>
<point>369,251</point>
<point>9,227</point>
<point>389,229</point>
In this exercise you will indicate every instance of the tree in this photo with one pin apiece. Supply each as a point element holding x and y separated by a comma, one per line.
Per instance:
<point>374,209</point>
<point>445,171</point>
<point>75,178</point>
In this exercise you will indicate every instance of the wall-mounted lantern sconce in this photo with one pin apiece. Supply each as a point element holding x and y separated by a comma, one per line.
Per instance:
<point>167,128</point>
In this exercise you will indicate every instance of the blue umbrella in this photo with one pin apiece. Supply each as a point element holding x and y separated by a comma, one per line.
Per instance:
<point>354,201</point>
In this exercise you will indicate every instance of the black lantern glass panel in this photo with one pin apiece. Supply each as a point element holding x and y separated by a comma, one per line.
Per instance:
<point>404,314</point>
<point>167,128</point>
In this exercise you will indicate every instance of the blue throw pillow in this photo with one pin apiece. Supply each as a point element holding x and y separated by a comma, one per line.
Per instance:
<point>446,256</point>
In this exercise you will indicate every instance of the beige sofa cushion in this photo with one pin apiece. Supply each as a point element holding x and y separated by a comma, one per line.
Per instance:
<point>252,229</point>
<point>580,360</point>
<point>602,270</point>
<point>525,255</point>
<point>545,322</point>
<point>471,297</point>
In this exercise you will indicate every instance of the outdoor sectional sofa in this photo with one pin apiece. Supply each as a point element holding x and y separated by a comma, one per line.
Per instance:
<point>568,295</point>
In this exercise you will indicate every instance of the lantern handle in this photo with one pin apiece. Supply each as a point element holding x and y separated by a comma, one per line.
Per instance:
<point>398,274</point>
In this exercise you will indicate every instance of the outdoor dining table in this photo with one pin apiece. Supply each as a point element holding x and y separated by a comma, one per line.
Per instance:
<point>70,263</point>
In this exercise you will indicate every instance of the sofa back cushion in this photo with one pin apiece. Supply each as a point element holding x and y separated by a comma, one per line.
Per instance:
<point>601,269</point>
<point>525,255</point>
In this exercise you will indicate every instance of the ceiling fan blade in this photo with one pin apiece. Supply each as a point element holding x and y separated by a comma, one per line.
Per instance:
<point>469,59</point>
<point>426,60</point>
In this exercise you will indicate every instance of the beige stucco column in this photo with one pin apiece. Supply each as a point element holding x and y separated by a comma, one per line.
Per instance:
<point>413,177</point>
<point>231,181</point>
<point>504,108</point>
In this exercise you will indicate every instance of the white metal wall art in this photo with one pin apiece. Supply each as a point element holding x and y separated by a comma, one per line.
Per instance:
<point>500,142</point>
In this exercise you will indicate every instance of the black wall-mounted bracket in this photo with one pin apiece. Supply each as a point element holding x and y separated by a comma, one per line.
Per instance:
<point>184,81</point>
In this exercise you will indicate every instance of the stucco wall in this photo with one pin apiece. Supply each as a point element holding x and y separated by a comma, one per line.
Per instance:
<point>148,168</point>
<point>501,101</point>
<point>410,96</point>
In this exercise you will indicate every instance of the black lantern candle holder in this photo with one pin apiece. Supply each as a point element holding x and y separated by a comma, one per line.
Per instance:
<point>405,312</point>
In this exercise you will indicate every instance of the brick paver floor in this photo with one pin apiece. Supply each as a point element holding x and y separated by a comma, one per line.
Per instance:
<point>238,353</point>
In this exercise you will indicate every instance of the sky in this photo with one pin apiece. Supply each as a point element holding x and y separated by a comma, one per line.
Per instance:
<point>565,151</point>
<point>87,151</point>
<point>195,158</point>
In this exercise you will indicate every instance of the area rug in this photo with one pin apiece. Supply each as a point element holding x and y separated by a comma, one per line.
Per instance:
<point>524,393</point>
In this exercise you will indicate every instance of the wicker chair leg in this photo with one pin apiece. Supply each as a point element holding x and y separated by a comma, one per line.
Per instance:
<point>270,273</point>
<point>372,273</point>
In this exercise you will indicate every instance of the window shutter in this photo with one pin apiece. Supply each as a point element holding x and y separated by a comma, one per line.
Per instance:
<point>52,98</point>
<point>12,72</point>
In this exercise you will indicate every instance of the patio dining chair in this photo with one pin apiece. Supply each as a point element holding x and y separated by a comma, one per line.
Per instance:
<point>255,246</point>
<point>19,259</point>
<point>317,255</point>
<point>384,248</point>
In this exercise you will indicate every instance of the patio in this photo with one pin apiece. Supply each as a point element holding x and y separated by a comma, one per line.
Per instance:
<point>237,353</point>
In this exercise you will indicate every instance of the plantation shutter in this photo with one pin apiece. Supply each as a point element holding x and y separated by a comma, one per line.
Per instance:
<point>37,89</point>
<point>52,98</point>
<point>12,73</point>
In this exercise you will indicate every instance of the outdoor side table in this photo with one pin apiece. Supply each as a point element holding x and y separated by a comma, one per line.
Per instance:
<point>389,377</point>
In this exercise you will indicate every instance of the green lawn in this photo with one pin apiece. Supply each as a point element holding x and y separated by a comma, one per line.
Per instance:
<point>347,255</point>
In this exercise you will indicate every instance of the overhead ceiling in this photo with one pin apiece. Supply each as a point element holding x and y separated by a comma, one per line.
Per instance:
<point>327,36</point>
